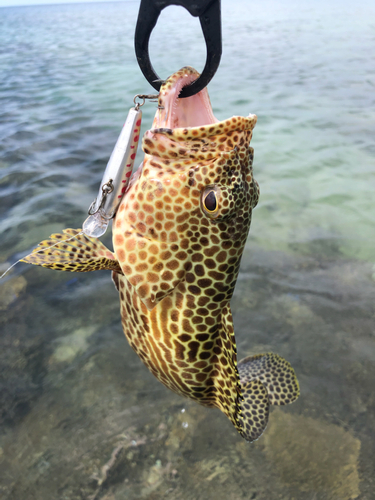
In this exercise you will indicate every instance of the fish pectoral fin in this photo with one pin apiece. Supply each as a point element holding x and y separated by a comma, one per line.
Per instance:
<point>73,251</point>
<point>253,416</point>
<point>275,373</point>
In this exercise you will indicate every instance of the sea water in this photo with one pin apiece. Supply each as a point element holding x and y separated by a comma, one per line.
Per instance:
<point>80,415</point>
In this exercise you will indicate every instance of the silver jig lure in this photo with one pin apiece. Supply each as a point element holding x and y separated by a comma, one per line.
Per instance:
<point>117,173</point>
<point>116,176</point>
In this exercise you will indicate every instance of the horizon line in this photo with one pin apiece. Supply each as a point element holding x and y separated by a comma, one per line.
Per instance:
<point>64,2</point>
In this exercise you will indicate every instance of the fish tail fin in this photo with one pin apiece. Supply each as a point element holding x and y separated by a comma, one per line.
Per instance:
<point>265,379</point>
<point>254,409</point>
<point>73,251</point>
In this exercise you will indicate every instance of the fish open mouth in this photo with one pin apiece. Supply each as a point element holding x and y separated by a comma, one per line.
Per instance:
<point>175,112</point>
<point>186,128</point>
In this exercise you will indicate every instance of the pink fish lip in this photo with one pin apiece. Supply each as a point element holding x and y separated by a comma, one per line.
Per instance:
<point>174,112</point>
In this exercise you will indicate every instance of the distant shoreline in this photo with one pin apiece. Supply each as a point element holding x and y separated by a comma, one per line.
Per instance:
<point>50,3</point>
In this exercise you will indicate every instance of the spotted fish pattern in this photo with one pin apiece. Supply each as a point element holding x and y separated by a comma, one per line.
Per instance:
<point>73,251</point>
<point>178,240</point>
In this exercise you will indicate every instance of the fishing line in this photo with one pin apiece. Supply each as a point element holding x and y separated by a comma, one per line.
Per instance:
<point>41,250</point>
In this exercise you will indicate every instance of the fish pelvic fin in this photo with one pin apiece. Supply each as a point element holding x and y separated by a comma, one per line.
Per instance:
<point>73,251</point>
<point>265,379</point>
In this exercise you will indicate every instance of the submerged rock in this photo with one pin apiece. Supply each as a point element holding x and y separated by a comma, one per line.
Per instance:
<point>71,345</point>
<point>10,291</point>
<point>313,456</point>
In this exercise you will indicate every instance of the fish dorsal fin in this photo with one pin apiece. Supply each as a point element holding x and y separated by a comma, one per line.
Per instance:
<point>73,251</point>
<point>265,379</point>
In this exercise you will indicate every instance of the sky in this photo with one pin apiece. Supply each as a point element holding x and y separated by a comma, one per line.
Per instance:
<point>10,3</point>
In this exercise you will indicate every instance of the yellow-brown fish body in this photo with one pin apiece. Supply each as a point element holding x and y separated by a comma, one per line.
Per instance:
<point>178,239</point>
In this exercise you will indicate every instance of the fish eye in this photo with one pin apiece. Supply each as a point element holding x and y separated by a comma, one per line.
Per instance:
<point>210,202</point>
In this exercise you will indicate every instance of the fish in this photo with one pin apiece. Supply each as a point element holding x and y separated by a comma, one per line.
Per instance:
<point>178,238</point>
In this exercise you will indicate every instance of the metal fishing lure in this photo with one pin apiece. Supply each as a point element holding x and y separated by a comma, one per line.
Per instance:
<point>117,173</point>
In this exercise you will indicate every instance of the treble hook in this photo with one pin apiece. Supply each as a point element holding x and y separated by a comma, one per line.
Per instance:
<point>209,15</point>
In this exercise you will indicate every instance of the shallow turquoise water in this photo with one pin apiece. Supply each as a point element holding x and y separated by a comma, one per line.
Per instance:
<point>72,392</point>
